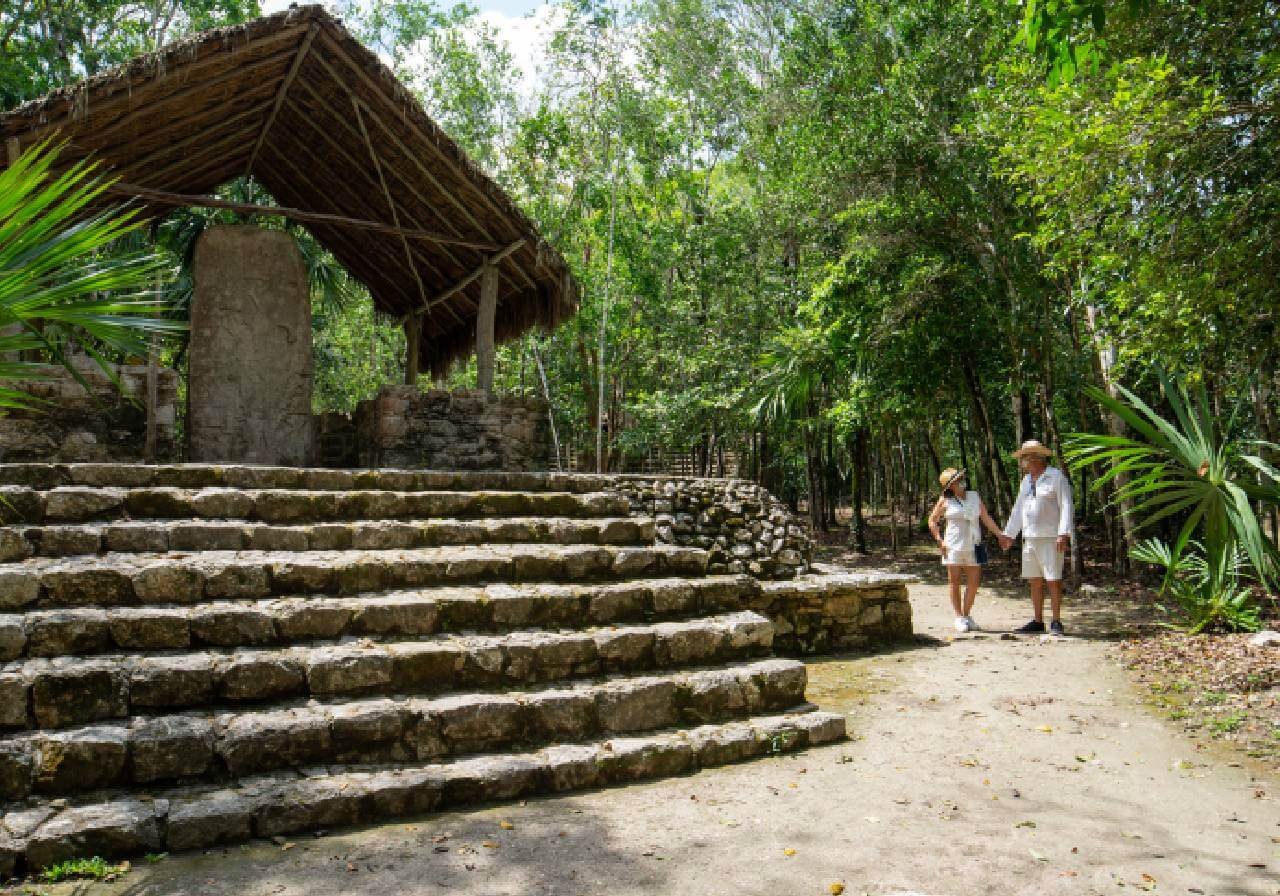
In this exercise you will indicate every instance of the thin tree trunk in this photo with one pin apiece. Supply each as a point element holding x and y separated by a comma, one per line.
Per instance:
<point>859,485</point>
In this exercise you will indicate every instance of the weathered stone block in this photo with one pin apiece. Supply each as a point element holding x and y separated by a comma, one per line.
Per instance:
<point>185,680</point>
<point>75,504</point>
<point>67,632</point>
<point>269,740</point>
<point>170,747</point>
<point>87,586</point>
<point>106,829</point>
<point>637,705</point>
<point>83,759</point>
<point>348,670</point>
<point>253,675</point>
<point>13,636</point>
<point>471,723</point>
<point>149,629</point>
<point>17,766</point>
<point>84,692</point>
<point>232,626</point>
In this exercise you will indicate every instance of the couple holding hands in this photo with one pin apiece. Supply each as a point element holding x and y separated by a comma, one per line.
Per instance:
<point>1042,515</point>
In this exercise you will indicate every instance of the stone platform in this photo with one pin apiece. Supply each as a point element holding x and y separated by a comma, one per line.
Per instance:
<point>194,655</point>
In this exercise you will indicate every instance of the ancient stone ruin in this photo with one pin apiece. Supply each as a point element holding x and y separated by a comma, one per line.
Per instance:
<point>253,646</point>
<point>196,655</point>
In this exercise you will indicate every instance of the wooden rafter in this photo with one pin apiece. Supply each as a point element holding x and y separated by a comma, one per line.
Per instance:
<point>492,261</point>
<point>298,58</point>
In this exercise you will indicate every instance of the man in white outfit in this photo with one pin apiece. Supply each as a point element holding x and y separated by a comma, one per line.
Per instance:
<point>1043,516</point>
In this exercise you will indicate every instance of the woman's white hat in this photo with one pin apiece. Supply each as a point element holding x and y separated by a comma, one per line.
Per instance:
<point>1033,447</point>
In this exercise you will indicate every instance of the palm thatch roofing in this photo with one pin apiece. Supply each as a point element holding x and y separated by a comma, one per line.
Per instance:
<point>295,101</point>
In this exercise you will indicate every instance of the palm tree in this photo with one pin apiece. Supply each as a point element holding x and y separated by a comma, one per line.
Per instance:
<point>63,273</point>
<point>1190,469</point>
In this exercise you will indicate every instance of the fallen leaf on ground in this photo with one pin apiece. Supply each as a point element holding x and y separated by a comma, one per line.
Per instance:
<point>835,889</point>
<point>489,844</point>
<point>506,825</point>
<point>1047,729</point>
<point>788,851</point>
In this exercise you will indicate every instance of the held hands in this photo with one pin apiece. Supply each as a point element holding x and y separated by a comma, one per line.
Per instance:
<point>1005,541</point>
<point>1064,542</point>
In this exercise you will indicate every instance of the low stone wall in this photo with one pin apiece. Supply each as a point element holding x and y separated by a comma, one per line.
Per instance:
<point>835,610</point>
<point>100,424</point>
<point>745,528</point>
<point>442,430</point>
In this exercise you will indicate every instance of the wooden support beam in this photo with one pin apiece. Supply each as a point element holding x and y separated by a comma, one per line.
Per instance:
<point>445,191</point>
<point>484,327</point>
<point>365,264</point>
<point>491,262</point>
<point>391,204</point>
<point>380,91</point>
<point>13,149</point>
<point>280,94</point>
<point>412,349</point>
<point>162,197</point>
<point>405,182</point>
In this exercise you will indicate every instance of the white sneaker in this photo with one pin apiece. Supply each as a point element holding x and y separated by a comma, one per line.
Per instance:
<point>962,624</point>
<point>973,626</point>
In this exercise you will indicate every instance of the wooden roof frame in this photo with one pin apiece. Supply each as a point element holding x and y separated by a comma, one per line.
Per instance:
<point>298,103</point>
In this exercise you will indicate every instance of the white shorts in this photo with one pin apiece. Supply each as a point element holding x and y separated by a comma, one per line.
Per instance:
<point>959,558</point>
<point>1041,559</point>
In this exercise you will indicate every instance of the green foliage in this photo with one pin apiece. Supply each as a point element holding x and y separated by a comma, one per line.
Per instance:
<point>95,868</point>
<point>1209,591</point>
<point>1189,469</point>
<point>62,275</point>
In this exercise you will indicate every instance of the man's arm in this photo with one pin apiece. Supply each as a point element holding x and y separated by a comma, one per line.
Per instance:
<point>1066,506</point>
<point>1014,526</point>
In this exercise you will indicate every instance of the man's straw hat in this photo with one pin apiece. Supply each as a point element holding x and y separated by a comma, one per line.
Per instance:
<point>949,476</point>
<point>1032,447</point>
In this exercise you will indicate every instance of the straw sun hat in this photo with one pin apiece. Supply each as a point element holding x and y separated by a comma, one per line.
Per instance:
<point>949,476</point>
<point>1033,448</point>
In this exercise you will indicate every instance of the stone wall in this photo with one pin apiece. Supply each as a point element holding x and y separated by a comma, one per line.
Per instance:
<point>835,610</point>
<point>745,527</point>
<point>250,378</point>
<point>101,424</point>
<point>441,430</point>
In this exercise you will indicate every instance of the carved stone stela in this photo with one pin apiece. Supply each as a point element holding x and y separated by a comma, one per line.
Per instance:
<point>251,365</point>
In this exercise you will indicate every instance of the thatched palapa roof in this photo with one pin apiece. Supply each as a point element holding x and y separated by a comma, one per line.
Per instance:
<point>324,126</point>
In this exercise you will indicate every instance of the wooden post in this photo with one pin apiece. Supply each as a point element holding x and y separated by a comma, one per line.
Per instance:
<point>13,149</point>
<point>484,328</point>
<point>412,344</point>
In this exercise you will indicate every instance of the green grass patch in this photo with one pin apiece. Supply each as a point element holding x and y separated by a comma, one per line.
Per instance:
<point>95,868</point>
<point>1226,724</point>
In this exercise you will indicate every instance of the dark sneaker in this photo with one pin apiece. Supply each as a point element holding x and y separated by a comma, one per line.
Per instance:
<point>1034,627</point>
<point>1055,628</point>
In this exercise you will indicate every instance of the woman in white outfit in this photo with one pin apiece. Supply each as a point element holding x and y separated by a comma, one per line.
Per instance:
<point>965,514</point>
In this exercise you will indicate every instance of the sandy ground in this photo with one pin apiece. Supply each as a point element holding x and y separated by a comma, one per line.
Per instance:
<point>976,765</point>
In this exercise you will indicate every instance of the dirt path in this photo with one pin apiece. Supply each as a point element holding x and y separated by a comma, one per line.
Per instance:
<point>978,765</point>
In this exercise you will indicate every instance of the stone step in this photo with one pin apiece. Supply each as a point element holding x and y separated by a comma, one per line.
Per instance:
<point>288,620</point>
<point>197,476</point>
<point>37,836</point>
<point>132,536</point>
<point>79,504</point>
<point>67,691</point>
<point>141,579</point>
<point>225,745</point>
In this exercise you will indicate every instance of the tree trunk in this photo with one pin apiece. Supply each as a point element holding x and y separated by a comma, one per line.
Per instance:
<point>1104,362</point>
<point>1002,498</point>
<point>859,485</point>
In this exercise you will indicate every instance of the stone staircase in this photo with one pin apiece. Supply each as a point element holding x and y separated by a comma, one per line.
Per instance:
<point>194,655</point>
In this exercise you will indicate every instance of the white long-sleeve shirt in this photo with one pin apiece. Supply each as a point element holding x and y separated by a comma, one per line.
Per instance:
<point>1043,509</point>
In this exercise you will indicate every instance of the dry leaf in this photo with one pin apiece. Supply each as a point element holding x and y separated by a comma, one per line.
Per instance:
<point>835,889</point>
<point>489,844</point>
<point>506,825</point>
<point>788,851</point>
<point>1047,729</point>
